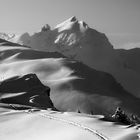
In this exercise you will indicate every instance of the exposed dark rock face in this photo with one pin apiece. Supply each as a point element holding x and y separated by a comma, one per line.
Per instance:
<point>46,27</point>
<point>25,90</point>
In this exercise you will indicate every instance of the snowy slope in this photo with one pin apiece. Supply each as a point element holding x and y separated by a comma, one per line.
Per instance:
<point>44,124</point>
<point>74,86</point>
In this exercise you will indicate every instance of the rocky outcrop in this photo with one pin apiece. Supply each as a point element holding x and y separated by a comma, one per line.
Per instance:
<point>45,28</point>
<point>25,90</point>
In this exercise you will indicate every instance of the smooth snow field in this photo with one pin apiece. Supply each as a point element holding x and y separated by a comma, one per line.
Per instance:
<point>53,125</point>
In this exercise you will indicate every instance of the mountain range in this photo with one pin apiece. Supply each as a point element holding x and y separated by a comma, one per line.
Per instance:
<point>76,40</point>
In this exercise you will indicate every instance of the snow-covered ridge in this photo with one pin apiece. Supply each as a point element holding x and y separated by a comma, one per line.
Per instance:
<point>10,37</point>
<point>7,36</point>
<point>70,23</point>
<point>70,20</point>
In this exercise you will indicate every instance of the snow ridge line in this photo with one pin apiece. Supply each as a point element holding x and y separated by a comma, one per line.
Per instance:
<point>95,132</point>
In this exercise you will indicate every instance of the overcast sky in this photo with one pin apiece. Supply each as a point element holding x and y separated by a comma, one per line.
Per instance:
<point>119,19</point>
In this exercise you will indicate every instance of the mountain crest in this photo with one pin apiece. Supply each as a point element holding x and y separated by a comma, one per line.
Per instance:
<point>45,28</point>
<point>71,23</point>
<point>73,18</point>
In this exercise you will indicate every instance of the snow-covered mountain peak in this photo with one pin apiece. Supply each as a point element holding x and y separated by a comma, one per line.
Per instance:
<point>67,24</point>
<point>72,33</point>
<point>72,23</point>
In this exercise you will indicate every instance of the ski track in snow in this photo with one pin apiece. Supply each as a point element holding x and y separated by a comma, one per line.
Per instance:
<point>81,126</point>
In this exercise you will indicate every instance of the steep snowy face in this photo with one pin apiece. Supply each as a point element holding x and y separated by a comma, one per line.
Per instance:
<point>66,25</point>
<point>69,34</point>
<point>72,24</point>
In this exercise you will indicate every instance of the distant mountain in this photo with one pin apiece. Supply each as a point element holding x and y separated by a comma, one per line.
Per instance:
<point>74,85</point>
<point>76,40</point>
<point>4,42</point>
<point>130,58</point>
<point>7,36</point>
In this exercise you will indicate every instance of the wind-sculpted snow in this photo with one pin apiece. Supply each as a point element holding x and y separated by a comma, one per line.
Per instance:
<point>74,86</point>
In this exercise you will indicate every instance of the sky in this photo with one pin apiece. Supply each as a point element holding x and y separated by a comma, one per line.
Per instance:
<point>118,19</point>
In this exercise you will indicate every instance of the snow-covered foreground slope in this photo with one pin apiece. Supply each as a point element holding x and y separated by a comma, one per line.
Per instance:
<point>44,124</point>
<point>75,39</point>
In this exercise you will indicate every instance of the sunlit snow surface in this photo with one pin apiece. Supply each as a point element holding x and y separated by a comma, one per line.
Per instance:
<point>43,124</point>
